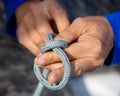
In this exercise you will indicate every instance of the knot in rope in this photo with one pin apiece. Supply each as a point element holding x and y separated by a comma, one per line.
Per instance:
<point>56,47</point>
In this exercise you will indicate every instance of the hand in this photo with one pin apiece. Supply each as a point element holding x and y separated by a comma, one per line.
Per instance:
<point>35,19</point>
<point>90,40</point>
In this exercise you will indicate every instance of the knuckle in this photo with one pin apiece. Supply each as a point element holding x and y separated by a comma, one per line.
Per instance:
<point>77,69</point>
<point>58,10</point>
<point>79,20</point>
<point>32,7</point>
<point>61,36</point>
<point>38,41</point>
<point>98,47</point>
<point>25,20</point>
<point>78,72</point>
<point>97,50</point>
<point>94,25</point>
<point>66,37</point>
<point>43,29</point>
<point>20,35</point>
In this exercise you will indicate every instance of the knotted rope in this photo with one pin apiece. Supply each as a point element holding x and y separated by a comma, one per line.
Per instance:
<point>42,76</point>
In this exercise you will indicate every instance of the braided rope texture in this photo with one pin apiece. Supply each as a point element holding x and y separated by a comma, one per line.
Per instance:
<point>56,46</point>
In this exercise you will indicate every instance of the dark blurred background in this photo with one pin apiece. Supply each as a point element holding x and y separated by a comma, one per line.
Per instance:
<point>16,63</point>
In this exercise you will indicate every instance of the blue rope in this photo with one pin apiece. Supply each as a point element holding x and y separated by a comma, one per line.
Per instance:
<point>42,76</point>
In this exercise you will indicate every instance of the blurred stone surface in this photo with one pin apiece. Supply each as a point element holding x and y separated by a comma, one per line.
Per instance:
<point>16,63</point>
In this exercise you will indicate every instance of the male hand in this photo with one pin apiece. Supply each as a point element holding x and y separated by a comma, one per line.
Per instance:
<point>90,40</point>
<point>35,19</point>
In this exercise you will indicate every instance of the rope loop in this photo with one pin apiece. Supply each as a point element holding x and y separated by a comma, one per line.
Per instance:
<point>56,47</point>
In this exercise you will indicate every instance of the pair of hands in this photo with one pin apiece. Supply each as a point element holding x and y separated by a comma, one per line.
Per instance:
<point>90,39</point>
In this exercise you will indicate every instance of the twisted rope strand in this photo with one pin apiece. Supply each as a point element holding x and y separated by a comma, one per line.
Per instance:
<point>42,76</point>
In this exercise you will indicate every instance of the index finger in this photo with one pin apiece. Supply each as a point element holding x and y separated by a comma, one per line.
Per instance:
<point>59,15</point>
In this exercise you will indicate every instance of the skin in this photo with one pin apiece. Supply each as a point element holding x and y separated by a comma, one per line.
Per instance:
<point>89,39</point>
<point>93,40</point>
<point>35,19</point>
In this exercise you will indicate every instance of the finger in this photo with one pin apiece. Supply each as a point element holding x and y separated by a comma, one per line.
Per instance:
<point>49,58</point>
<point>56,75</point>
<point>77,68</point>
<point>43,26</point>
<point>83,65</point>
<point>31,30</point>
<point>73,51</point>
<point>59,15</point>
<point>25,40</point>
<point>43,60</point>
<point>31,46</point>
<point>41,23</point>
<point>75,30</point>
<point>52,66</point>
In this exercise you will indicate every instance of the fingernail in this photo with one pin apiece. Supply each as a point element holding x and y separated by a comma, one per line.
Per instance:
<point>55,78</point>
<point>41,62</point>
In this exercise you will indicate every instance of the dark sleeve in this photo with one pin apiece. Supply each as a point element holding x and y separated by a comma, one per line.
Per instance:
<point>114,20</point>
<point>10,7</point>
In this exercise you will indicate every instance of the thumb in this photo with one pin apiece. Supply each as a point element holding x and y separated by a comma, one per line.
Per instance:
<point>56,75</point>
<point>72,32</point>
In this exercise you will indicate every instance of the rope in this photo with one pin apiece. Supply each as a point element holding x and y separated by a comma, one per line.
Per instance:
<point>42,74</point>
